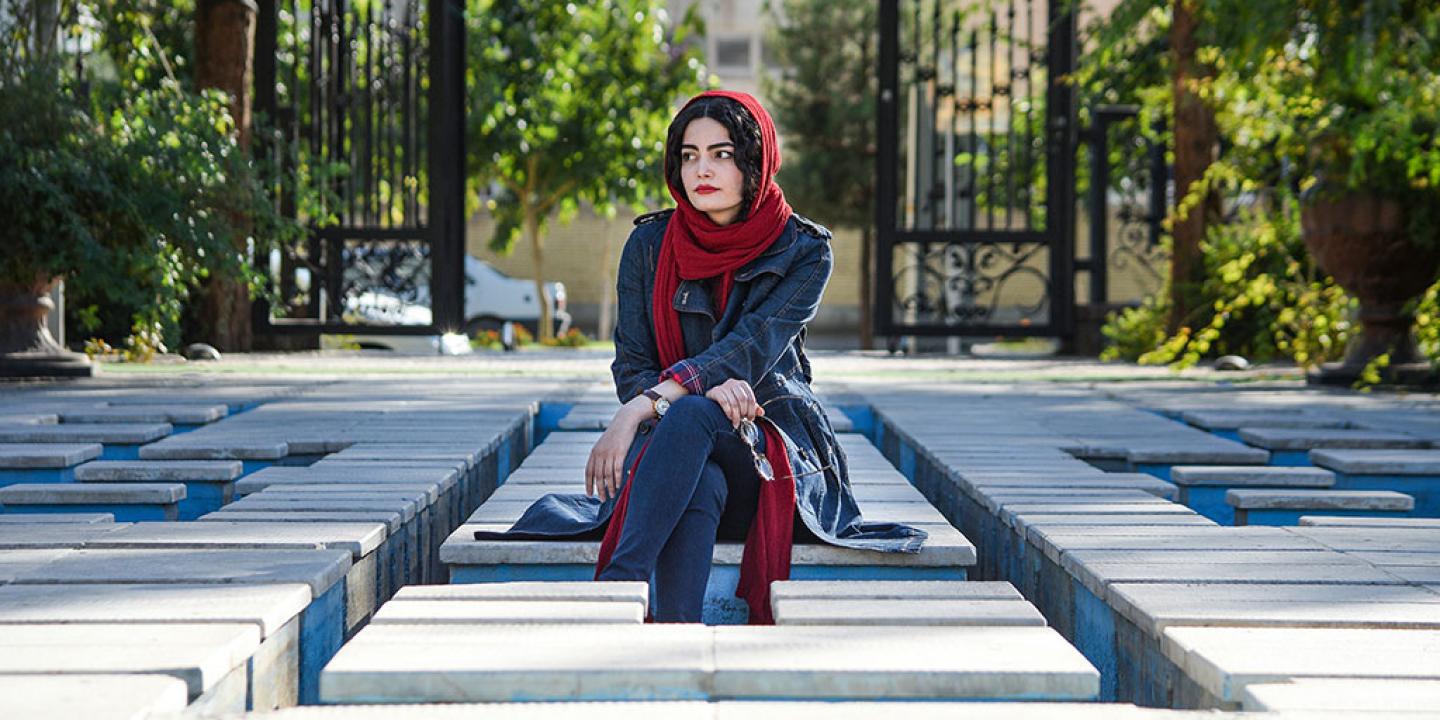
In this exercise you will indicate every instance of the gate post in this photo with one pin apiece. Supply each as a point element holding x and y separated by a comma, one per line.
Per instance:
<point>1061,136</point>
<point>447,164</point>
<point>887,124</point>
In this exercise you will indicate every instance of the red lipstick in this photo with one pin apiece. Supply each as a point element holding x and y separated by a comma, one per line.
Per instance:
<point>706,189</point>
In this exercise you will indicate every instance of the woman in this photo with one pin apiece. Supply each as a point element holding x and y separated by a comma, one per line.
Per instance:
<point>719,434</point>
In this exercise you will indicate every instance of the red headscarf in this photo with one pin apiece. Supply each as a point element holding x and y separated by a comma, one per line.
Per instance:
<point>695,247</point>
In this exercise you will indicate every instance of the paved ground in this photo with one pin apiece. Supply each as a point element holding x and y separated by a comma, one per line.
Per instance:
<point>1091,552</point>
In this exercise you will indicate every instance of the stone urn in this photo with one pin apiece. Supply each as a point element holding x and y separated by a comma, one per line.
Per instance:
<point>1360,239</point>
<point>27,349</point>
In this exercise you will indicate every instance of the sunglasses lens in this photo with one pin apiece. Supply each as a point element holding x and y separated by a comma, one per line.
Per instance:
<point>762,465</point>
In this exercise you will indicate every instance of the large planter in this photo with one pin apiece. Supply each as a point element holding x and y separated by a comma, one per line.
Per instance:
<point>27,349</point>
<point>1360,240</point>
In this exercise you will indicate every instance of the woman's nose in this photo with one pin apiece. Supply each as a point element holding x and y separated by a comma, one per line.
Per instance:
<point>703,167</point>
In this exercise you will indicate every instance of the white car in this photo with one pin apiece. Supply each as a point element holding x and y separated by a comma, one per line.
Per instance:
<point>492,299</point>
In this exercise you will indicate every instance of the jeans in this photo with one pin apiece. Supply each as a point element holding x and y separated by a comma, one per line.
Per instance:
<point>696,481</point>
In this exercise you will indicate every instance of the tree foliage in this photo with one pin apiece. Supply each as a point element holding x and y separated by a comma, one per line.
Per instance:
<point>125,183</point>
<point>568,103</point>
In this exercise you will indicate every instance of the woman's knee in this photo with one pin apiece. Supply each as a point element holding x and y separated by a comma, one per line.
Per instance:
<point>696,409</point>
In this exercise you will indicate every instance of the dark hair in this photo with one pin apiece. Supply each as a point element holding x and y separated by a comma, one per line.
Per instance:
<point>744,132</point>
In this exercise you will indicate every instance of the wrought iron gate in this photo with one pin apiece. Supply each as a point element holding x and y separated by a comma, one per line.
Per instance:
<point>976,188</point>
<point>374,88</point>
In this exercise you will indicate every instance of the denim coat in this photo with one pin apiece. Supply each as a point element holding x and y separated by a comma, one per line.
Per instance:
<point>759,338</point>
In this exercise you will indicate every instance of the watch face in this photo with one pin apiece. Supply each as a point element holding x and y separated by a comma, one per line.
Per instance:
<point>662,406</point>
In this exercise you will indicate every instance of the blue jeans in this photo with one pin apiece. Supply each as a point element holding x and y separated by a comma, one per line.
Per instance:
<point>696,481</point>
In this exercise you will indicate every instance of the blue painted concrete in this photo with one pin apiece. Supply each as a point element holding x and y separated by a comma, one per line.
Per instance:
<point>305,460</point>
<point>37,475</point>
<point>122,513</point>
<point>548,419</point>
<point>252,466</point>
<point>1424,488</point>
<point>119,452</point>
<point>1095,637</point>
<point>322,630</point>
<point>862,417</point>
<point>1208,501</point>
<point>502,461</point>
<point>204,497</point>
<point>1290,458</point>
<point>1228,435</point>
<point>1159,471</point>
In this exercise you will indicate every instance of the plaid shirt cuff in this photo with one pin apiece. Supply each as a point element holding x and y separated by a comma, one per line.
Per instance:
<point>687,374</point>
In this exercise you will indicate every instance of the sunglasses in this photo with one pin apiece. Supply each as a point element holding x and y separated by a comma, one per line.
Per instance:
<point>750,434</point>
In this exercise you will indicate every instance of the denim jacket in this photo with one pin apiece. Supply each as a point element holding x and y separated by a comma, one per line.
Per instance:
<point>758,337</point>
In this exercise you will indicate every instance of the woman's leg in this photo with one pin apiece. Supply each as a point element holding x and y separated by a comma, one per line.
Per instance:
<point>665,483</point>
<point>683,567</point>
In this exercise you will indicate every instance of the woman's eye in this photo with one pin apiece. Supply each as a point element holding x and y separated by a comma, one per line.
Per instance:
<point>723,154</point>
<point>687,157</point>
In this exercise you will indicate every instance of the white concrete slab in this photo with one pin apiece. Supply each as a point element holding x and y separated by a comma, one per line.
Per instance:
<point>20,456</point>
<point>924,612</point>
<point>898,663</point>
<point>268,607</point>
<point>42,697</point>
<point>1251,475</point>
<point>158,471</point>
<point>892,590</point>
<point>1353,695</point>
<point>1224,661</point>
<point>92,494</point>
<point>459,663</point>
<point>359,539</point>
<point>199,654</point>
<point>320,569</point>
<point>509,612</point>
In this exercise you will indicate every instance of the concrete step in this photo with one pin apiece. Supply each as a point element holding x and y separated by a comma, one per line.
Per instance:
<point>1203,487</point>
<point>121,441</point>
<point>209,485</point>
<point>1413,472</point>
<point>181,414</point>
<point>472,663</point>
<point>43,462</point>
<point>128,502</point>
<point>1291,446</point>
<point>1284,507</point>
<point>59,519</point>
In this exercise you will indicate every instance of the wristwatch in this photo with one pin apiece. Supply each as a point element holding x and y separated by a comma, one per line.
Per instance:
<point>660,403</point>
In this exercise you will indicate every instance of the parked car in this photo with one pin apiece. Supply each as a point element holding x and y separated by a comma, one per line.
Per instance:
<point>492,299</point>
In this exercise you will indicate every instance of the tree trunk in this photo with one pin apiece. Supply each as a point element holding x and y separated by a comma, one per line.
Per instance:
<point>1196,139</point>
<point>546,330</point>
<point>224,50</point>
<point>867,285</point>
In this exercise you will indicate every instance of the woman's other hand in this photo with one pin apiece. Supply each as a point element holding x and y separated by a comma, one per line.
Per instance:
<point>737,400</point>
<point>605,468</point>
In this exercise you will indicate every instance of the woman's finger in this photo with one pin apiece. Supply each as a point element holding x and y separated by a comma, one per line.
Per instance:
<point>590,473</point>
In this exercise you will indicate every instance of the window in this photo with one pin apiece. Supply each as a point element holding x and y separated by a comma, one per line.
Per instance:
<point>732,54</point>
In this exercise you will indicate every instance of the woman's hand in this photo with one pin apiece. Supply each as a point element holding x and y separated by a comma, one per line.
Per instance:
<point>737,400</point>
<point>605,468</point>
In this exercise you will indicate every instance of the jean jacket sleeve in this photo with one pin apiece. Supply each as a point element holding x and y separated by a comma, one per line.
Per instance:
<point>760,337</point>
<point>637,361</point>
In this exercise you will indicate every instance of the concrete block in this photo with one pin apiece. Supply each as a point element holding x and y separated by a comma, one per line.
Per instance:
<point>201,655</point>
<point>59,518</point>
<point>185,448</point>
<point>33,697</point>
<point>509,612</point>
<point>158,471</point>
<point>266,606</point>
<point>357,538</point>
<point>16,456</point>
<point>892,590</point>
<point>1224,661</point>
<point>1379,462</point>
<point>1251,476</point>
<point>1309,438</point>
<point>926,612</point>
<point>320,569</point>
<point>51,535</point>
<point>1378,500</point>
<point>77,494</point>
<point>457,663</point>
<point>1363,697</point>
<point>590,591</point>
<point>106,434</point>
<point>832,663</point>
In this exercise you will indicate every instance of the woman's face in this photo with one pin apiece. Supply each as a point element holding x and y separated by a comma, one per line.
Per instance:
<point>713,181</point>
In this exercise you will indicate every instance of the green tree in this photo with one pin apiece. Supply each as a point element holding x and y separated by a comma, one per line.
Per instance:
<point>568,104</point>
<point>824,102</point>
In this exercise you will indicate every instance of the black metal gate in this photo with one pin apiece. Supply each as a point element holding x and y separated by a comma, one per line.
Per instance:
<point>975,205</point>
<point>373,88</point>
